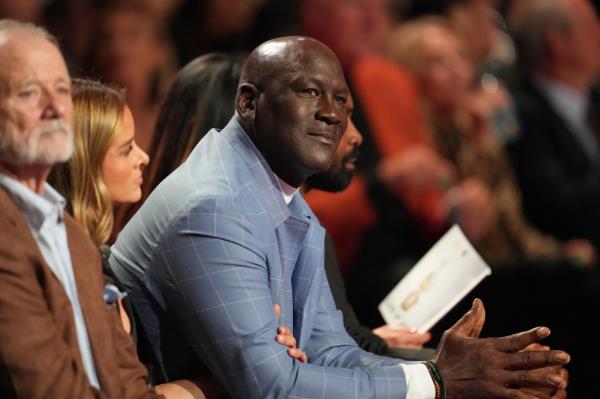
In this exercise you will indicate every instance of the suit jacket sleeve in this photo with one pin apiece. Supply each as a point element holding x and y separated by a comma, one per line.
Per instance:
<point>214,279</point>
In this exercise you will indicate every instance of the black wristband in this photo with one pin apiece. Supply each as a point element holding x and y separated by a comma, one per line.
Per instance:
<point>438,382</point>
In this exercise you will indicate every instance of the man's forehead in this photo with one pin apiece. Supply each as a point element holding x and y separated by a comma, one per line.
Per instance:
<point>27,56</point>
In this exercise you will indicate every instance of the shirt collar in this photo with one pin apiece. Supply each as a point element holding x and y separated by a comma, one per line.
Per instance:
<point>36,208</point>
<point>569,103</point>
<point>287,190</point>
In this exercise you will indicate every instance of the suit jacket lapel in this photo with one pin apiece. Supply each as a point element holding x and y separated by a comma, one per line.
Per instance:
<point>308,272</point>
<point>89,292</point>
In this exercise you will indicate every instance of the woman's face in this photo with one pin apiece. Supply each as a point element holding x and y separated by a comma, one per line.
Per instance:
<point>444,71</point>
<point>123,163</point>
<point>127,48</point>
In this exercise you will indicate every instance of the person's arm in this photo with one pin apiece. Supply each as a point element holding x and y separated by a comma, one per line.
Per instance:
<point>497,367</point>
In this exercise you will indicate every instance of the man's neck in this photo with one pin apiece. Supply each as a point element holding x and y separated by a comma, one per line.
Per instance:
<point>31,176</point>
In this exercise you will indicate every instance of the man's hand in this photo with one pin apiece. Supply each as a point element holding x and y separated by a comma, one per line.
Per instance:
<point>286,338</point>
<point>580,252</point>
<point>402,337</point>
<point>473,208</point>
<point>497,367</point>
<point>416,169</point>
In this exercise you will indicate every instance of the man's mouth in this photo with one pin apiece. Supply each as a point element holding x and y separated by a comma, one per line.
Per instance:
<point>327,138</point>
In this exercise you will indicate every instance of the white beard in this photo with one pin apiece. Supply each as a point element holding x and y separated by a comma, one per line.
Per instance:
<point>45,146</point>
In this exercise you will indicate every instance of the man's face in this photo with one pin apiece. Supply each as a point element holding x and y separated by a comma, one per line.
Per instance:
<point>582,42</point>
<point>339,176</point>
<point>302,113</point>
<point>35,102</point>
<point>443,70</point>
<point>350,27</point>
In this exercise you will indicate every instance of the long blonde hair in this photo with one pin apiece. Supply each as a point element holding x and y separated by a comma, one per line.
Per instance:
<point>97,117</point>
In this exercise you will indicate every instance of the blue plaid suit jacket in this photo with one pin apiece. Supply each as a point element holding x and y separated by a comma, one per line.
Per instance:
<point>210,252</point>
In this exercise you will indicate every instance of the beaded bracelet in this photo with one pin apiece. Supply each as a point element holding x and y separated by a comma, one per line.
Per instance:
<point>438,382</point>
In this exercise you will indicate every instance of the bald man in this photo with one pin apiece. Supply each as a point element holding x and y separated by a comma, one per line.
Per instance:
<point>226,236</point>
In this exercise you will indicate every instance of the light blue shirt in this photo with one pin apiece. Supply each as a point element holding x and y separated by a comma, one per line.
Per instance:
<point>572,106</point>
<point>45,217</point>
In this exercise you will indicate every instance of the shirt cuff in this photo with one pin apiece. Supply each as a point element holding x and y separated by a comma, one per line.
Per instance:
<point>419,384</point>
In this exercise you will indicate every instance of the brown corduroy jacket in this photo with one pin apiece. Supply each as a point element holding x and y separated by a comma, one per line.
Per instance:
<point>39,352</point>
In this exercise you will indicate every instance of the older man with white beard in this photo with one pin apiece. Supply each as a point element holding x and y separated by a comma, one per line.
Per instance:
<point>58,338</point>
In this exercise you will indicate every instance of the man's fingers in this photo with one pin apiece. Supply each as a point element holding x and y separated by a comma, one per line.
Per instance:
<point>298,354</point>
<point>519,341</point>
<point>536,347</point>
<point>536,359</point>
<point>544,378</point>
<point>285,337</point>
<point>471,323</point>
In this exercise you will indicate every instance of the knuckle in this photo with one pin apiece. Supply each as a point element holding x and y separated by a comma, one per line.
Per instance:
<point>513,342</point>
<point>525,357</point>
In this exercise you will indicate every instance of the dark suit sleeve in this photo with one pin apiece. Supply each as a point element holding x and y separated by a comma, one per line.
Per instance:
<point>361,334</point>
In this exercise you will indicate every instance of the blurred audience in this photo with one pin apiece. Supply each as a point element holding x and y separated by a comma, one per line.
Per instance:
<point>133,51</point>
<point>207,26</point>
<point>22,10</point>
<point>492,216</point>
<point>557,156</point>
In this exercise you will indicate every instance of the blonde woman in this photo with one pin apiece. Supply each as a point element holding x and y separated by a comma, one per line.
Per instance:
<point>106,170</point>
<point>106,167</point>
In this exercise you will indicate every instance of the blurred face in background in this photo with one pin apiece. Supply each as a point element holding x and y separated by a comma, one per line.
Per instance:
<point>129,47</point>
<point>350,27</point>
<point>442,69</point>
<point>22,10</point>
<point>339,176</point>
<point>474,20</point>
<point>581,44</point>
<point>123,163</point>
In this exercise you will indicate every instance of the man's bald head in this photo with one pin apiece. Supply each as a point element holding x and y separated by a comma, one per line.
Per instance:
<point>291,101</point>
<point>281,55</point>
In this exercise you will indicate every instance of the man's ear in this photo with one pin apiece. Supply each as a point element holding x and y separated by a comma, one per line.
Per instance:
<point>245,101</point>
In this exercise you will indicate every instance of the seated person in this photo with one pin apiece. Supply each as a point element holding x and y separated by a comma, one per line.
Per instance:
<point>58,337</point>
<point>226,236</point>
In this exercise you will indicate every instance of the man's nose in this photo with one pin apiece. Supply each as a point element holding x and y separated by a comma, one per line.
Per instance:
<point>328,111</point>
<point>54,105</point>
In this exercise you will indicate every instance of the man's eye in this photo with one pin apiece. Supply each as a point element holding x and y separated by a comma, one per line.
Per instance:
<point>65,91</point>
<point>312,92</point>
<point>341,99</point>
<point>26,93</point>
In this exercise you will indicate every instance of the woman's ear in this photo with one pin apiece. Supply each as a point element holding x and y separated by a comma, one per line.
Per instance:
<point>245,101</point>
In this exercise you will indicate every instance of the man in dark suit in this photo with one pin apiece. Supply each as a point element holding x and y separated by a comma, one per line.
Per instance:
<point>58,338</point>
<point>384,340</point>
<point>557,156</point>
